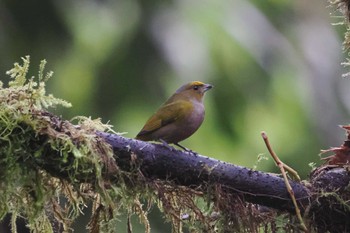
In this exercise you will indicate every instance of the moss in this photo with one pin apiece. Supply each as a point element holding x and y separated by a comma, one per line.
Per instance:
<point>343,12</point>
<point>27,133</point>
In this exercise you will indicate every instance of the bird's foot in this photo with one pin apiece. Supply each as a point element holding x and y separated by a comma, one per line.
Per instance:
<point>166,145</point>
<point>177,144</point>
<point>186,149</point>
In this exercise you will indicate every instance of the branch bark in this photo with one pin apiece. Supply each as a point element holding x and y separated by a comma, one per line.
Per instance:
<point>194,170</point>
<point>323,200</point>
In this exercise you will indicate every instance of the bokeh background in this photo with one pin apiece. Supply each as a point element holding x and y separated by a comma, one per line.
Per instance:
<point>275,65</point>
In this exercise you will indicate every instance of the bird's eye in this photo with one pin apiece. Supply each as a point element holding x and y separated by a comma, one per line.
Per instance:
<point>195,87</point>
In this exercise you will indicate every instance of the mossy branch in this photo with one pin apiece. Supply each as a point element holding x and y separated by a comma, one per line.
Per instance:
<point>50,169</point>
<point>156,161</point>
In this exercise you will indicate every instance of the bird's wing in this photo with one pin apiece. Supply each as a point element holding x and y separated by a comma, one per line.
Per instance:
<point>165,115</point>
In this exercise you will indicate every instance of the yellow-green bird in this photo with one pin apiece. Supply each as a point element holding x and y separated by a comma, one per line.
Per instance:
<point>179,117</point>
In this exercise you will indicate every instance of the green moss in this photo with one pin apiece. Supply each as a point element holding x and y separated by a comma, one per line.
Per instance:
<point>30,137</point>
<point>342,11</point>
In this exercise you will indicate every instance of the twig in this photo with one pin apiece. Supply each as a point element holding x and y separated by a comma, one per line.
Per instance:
<point>277,160</point>
<point>284,167</point>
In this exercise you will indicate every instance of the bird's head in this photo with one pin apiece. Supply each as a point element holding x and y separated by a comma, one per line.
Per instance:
<point>195,89</point>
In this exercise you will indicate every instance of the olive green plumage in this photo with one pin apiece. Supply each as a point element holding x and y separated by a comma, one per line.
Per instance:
<point>179,117</point>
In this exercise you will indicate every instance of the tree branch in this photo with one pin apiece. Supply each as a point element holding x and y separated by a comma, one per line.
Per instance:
<point>323,199</point>
<point>38,147</point>
<point>316,199</point>
<point>193,170</point>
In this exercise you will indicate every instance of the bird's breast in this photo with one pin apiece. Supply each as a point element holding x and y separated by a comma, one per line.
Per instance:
<point>185,127</point>
<point>194,118</point>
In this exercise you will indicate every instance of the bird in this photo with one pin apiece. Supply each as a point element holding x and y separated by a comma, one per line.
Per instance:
<point>179,117</point>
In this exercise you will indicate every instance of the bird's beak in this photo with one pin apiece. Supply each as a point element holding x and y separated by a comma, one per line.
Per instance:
<point>207,87</point>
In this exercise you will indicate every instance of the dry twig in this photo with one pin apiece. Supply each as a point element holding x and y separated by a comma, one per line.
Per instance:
<point>283,167</point>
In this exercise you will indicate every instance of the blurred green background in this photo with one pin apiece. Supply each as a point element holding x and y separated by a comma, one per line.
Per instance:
<point>275,66</point>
